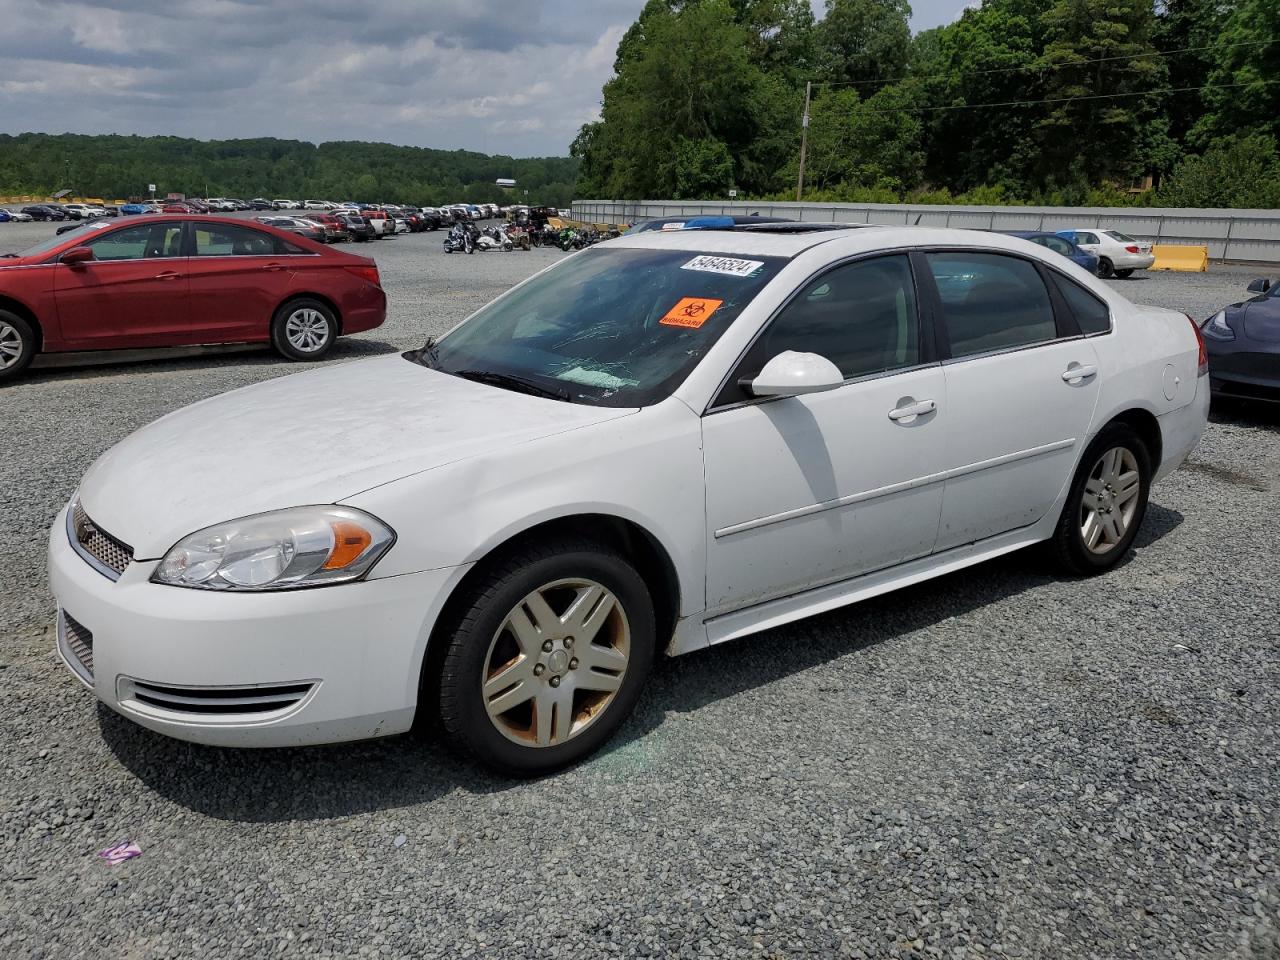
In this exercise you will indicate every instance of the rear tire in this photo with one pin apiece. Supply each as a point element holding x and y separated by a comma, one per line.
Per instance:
<point>304,330</point>
<point>17,345</point>
<point>1106,269</point>
<point>1124,274</point>
<point>1105,504</point>
<point>558,697</point>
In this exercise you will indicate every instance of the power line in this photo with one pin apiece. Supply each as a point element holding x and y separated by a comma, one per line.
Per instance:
<point>1042,67</point>
<point>1099,96</point>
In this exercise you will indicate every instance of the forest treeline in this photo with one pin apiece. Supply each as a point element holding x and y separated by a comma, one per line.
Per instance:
<point>123,166</point>
<point>1037,101</point>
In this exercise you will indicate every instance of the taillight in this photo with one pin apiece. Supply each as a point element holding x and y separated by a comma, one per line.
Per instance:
<point>1202,358</point>
<point>1132,248</point>
<point>369,274</point>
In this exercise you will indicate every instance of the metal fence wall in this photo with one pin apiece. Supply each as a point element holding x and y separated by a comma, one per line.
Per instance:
<point>1232,235</point>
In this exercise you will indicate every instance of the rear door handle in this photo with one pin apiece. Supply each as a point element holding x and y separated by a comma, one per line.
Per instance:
<point>168,275</point>
<point>910,410</point>
<point>1076,372</point>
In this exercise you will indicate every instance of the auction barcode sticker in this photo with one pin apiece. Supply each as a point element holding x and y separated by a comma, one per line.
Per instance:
<point>727,265</point>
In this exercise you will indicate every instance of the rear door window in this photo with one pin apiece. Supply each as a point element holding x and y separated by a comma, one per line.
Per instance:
<point>991,302</point>
<point>226,240</point>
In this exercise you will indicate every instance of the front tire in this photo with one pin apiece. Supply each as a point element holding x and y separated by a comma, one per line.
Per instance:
<point>546,658</point>
<point>1105,504</point>
<point>304,330</point>
<point>1106,269</point>
<point>17,345</point>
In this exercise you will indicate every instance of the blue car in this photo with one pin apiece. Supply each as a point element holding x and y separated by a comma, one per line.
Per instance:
<point>132,209</point>
<point>5,216</point>
<point>1059,244</point>
<point>1243,345</point>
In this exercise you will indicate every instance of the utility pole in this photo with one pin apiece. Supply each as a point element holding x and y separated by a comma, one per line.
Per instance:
<point>804,138</point>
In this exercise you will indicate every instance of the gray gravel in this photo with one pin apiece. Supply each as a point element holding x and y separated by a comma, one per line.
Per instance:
<point>994,764</point>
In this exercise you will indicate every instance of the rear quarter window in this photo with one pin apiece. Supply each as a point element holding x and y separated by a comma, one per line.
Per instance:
<point>1091,314</point>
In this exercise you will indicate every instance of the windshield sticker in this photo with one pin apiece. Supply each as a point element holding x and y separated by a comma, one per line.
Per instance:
<point>691,312</point>
<point>679,225</point>
<point>729,266</point>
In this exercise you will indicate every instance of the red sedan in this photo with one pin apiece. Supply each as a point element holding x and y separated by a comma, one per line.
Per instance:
<point>164,281</point>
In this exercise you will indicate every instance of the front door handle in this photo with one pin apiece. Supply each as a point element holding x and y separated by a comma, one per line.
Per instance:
<point>1077,372</point>
<point>273,267</point>
<point>908,409</point>
<point>168,275</point>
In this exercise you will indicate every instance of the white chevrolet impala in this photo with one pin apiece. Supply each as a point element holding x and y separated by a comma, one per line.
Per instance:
<point>664,442</point>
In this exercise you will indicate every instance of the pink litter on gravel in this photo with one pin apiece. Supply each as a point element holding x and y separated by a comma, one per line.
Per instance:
<point>122,851</point>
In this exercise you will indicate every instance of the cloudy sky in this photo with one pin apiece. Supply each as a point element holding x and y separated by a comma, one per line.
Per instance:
<point>500,76</point>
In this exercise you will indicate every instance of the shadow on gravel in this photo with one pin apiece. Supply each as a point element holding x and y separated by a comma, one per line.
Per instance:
<point>1245,413</point>
<point>318,783</point>
<point>244,355</point>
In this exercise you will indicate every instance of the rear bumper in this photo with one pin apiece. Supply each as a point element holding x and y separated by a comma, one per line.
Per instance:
<point>1181,430</point>
<point>1133,261</point>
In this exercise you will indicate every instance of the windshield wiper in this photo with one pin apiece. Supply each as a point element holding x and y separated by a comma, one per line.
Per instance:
<point>7,255</point>
<point>512,382</point>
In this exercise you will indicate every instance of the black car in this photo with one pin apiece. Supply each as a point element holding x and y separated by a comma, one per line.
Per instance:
<point>1243,345</point>
<point>45,212</point>
<point>260,204</point>
<point>359,227</point>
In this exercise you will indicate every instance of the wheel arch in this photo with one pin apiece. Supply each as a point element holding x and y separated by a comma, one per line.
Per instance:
<point>27,314</point>
<point>651,559</point>
<point>1147,426</point>
<point>309,295</point>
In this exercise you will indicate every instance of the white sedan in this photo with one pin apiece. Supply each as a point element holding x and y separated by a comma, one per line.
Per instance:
<point>666,441</point>
<point>1118,253</point>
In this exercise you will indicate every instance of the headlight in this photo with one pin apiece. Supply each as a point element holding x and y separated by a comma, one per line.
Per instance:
<point>283,550</point>
<point>1215,328</point>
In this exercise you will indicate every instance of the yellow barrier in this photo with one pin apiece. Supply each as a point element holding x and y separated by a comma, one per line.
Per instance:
<point>1184,259</point>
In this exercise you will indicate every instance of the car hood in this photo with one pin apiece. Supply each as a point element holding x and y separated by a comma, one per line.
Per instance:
<point>316,437</point>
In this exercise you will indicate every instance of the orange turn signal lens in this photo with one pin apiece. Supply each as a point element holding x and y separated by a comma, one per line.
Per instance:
<point>350,540</point>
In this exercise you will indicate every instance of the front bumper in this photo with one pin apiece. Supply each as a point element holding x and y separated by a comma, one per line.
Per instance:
<point>247,670</point>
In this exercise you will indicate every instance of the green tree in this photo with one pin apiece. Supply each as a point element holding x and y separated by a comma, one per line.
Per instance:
<point>1241,93</point>
<point>1235,172</point>
<point>1097,60</point>
<point>864,40</point>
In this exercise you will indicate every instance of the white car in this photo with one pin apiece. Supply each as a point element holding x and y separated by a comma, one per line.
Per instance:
<point>84,211</point>
<point>317,205</point>
<point>666,441</point>
<point>1118,254</point>
<point>17,216</point>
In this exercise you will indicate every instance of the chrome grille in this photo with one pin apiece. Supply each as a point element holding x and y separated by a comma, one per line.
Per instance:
<point>215,700</point>
<point>103,551</point>
<point>77,644</point>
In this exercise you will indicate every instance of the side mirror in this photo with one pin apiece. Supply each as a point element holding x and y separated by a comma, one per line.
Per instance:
<point>77,255</point>
<point>1261,285</point>
<point>791,373</point>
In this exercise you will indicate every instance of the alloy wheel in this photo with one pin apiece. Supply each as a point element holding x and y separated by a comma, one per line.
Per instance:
<point>10,345</point>
<point>556,663</point>
<point>1109,500</point>
<point>307,329</point>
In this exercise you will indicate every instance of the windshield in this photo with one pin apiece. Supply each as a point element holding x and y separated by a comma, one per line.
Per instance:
<point>614,327</point>
<point>1122,237</point>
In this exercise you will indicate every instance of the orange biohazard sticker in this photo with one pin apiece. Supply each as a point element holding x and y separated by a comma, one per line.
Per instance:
<point>690,312</point>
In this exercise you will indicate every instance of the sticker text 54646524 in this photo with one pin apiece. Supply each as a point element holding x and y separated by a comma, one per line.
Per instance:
<point>691,312</point>
<point>730,266</point>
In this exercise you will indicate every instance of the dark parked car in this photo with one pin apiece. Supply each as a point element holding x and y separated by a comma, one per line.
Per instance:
<point>259,203</point>
<point>43,211</point>
<point>1243,343</point>
<point>166,281</point>
<point>1058,244</point>
<point>358,227</point>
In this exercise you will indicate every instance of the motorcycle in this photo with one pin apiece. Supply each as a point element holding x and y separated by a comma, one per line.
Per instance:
<point>462,238</point>
<point>494,238</point>
<point>570,239</point>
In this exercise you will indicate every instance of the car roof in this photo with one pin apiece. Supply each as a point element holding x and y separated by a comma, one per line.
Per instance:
<point>851,240</point>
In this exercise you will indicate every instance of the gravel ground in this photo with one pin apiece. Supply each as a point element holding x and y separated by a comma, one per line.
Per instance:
<point>994,764</point>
